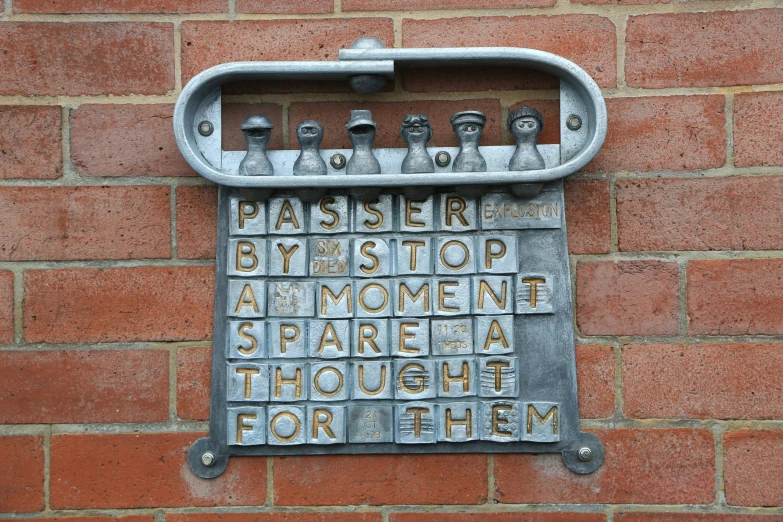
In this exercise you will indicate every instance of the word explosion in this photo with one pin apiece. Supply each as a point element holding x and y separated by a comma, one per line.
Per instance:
<point>383,321</point>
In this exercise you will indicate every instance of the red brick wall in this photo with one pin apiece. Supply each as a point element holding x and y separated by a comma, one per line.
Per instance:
<point>107,254</point>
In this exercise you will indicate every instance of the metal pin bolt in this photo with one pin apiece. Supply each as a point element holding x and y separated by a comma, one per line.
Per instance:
<point>337,161</point>
<point>442,158</point>
<point>585,454</point>
<point>574,122</point>
<point>208,459</point>
<point>205,128</point>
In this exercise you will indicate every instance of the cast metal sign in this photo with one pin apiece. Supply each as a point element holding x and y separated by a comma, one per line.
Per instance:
<point>393,300</point>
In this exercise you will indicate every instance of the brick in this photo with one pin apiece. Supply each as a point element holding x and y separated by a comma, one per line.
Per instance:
<point>619,2</point>
<point>31,142</point>
<point>735,297</point>
<point>6,306</point>
<point>626,298</point>
<point>479,78</point>
<point>194,371</point>
<point>752,462</point>
<point>587,40</point>
<point>414,5</point>
<point>143,470</point>
<point>235,113</point>
<point>649,466</point>
<point>285,6</point>
<point>587,217</point>
<point>758,139</point>
<point>119,6</point>
<point>703,381</point>
<point>59,59</point>
<point>704,49</point>
<point>496,517</point>
<point>136,140</point>
<point>276,517</point>
<point>595,377</point>
<point>388,115</point>
<point>208,43</point>
<point>60,223</point>
<point>694,517</point>
<point>131,518</point>
<point>84,386</point>
<point>734,213</point>
<point>21,482</point>
<point>380,479</point>
<point>663,133</point>
<point>196,222</point>
<point>115,305</point>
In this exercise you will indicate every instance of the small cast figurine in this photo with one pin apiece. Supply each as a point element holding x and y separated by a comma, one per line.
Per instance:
<point>310,134</point>
<point>468,126</point>
<point>526,124</point>
<point>361,131</point>
<point>416,130</point>
<point>257,130</point>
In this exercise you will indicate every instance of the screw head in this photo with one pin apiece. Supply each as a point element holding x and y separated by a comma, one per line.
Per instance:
<point>585,454</point>
<point>338,161</point>
<point>442,158</point>
<point>205,128</point>
<point>574,122</point>
<point>208,459</point>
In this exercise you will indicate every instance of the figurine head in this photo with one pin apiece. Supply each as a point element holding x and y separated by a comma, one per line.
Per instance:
<point>257,126</point>
<point>361,128</point>
<point>310,133</point>
<point>416,128</point>
<point>468,125</point>
<point>525,124</point>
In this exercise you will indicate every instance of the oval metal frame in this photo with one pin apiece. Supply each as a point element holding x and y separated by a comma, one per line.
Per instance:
<point>355,62</point>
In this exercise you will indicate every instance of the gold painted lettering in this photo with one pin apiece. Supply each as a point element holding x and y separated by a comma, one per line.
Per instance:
<point>287,254</point>
<point>381,384</point>
<point>498,367</point>
<point>335,222</point>
<point>242,427</point>
<point>372,225</point>
<point>410,211</point>
<point>424,292</point>
<point>324,425</point>
<point>534,282</point>
<point>465,250</point>
<point>285,338</point>
<point>532,412</point>
<point>247,337</point>
<point>417,413</point>
<point>484,288</point>
<point>369,309</point>
<point>369,339</point>
<point>340,381</point>
<point>249,254</point>
<point>286,216</point>
<point>496,431</point>
<point>329,339</point>
<point>405,336</point>
<point>296,381</point>
<point>414,248</point>
<point>443,295</point>
<point>495,335</point>
<point>365,250</point>
<point>286,415</point>
<point>457,422</point>
<point>248,373</point>
<point>490,255</point>
<point>246,299</point>
<point>327,292</point>
<point>247,210</point>
<point>455,211</point>
<point>419,379</point>
<point>464,378</point>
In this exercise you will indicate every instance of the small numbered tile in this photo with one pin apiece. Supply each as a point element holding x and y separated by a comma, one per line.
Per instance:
<point>287,338</point>
<point>410,337</point>
<point>246,426</point>
<point>286,216</point>
<point>452,336</point>
<point>498,376</point>
<point>334,299</point>
<point>457,377</point>
<point>535,294</point>
<point>246,340</point>
<point>414,255</point>
<point>371,257</point>
<point>290,298</point>
<point>415,379</point>
<point>329,381</point>
<point>370,338</point>
<point>500,421</point>
<point>493,295</point>
<point>415,423</point>
<point>540,421</point>
<point>330,339</point>
<point>247,382</point>
<point>416,215</point>
<point>370,424</point>
<point>412,297</point>
<point>374,215</point>
<point>497,254</point>
<point>325,424</point>
<point>246,257</point>
<point>246,298</point>
<point>287,425</point>
<point>329,257</point>
<point>288,382</point>
<point>373,298</point>
<point>287,257</point>
<point>330,215</point>
<point>371,380</point>
<point>494,334</point>
<point>451,296</point>
<point>457,213</point>
<point>454,255</point>
<point>247,217</point>
<point>458,421</point>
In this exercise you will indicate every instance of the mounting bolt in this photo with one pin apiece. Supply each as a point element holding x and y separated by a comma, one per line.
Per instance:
<point>574,122</point>
<point>205,128</point>
<point>337,161</point>
<point>585,454</point>
<point>208,459</point>
<point>442,158</point>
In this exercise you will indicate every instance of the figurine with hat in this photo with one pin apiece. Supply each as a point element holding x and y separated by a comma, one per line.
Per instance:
<point>468,126</point>
<point>257,130</point>
<point>361,131</point>
<point>526,124</point>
